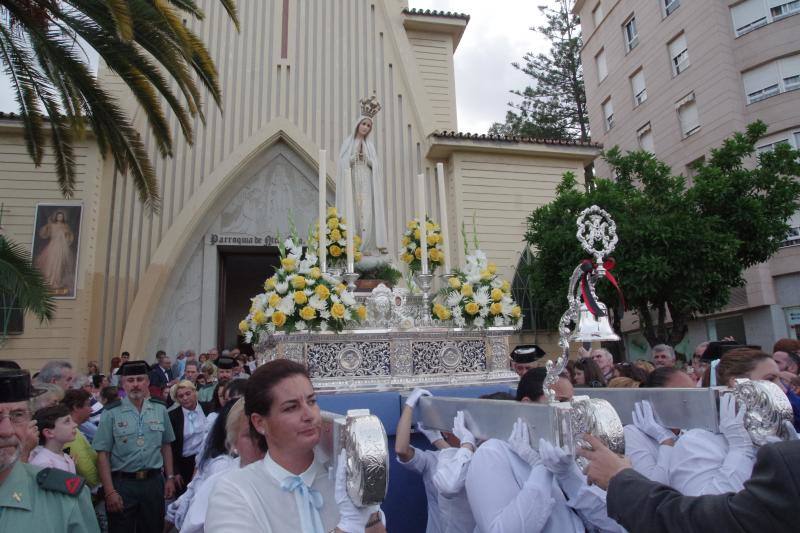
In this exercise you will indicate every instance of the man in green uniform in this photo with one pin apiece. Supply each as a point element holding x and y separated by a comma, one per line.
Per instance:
<point>133,445</point>
<point>34,499</point>
<point>225,366</point>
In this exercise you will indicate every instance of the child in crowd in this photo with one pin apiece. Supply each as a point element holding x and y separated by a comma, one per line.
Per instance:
<point>56,428</point>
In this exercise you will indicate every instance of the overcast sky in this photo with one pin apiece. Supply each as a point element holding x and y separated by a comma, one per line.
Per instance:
<point>497,34</point>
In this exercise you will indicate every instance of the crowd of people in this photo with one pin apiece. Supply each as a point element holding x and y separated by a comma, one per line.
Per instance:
<point>214,443</point>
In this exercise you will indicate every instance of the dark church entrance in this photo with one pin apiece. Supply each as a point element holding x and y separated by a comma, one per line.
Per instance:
<point>243,270</point>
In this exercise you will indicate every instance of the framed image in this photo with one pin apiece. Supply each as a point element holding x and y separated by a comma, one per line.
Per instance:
<point>56,235</point>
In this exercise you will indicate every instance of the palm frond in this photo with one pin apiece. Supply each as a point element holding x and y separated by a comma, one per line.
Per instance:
<point>121,13</point>
<point>20,281</point>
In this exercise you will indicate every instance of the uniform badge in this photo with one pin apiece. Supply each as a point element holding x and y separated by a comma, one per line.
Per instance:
<point>122,424</point>
<point>17,496</point>
<point>140,441</point>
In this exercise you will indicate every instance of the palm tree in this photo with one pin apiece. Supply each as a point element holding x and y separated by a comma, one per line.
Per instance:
<point>22,287</point>
<point>145,42</point>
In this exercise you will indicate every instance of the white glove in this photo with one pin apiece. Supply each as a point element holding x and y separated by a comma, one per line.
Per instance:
<point>520,442</point>
<point>645,421</point>
<point>414,397</point>
<point>460,430</point>
<point>555,459</point>
<point>352,519</point>
<point>731,425</point>
<point>433,436</point>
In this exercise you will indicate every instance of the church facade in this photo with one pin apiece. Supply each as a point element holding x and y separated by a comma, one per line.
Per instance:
<point>291,80</point>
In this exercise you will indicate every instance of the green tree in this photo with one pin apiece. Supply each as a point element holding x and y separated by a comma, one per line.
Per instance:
<point>681,248</point>
<point>554,105</point>
<point>43,47</point>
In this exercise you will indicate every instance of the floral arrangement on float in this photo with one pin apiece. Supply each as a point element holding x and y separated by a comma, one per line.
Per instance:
<point>411,253</point>
<point>336,240</point>
<point>299,297</point>
<point>476,297</point>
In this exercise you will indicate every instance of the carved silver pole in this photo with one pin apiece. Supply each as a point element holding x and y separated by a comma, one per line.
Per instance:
<point>350,278</point>
<point>424,283</point>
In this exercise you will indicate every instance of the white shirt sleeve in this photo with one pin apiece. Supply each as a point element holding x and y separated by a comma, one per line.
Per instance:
<point>451,471</point>
<point>702,465</point>
<point>639,449</point>
<point>498,503</point>
<point>422,461</point>
<point>228,509</point>
<point>590,504</point>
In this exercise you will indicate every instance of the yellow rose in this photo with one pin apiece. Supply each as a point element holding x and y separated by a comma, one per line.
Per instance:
<point>244,327</point>
<point>278,318</point>
<point>274,300</point>
<point>492,268</point>
<point>472,308</point>
<point>332,212</point>
<point>357,241</point>
<point>516,312</point>
<point>337,310</point>
<point>336,235</point>
<point>506,286</point>
<point>418,253</point>
<point>466,290</point>
<point>430,227</point>
<point>340,288</point>
<point>308,313</point>
<point>407,258</point>
<point>299,282</point>
<point>441,312</point>
<point>335,251</point>
<point>288,264</point>
<point>486,274</point>
<point>362,312</point>
<point>435,255</point>
<point>269,284</point>
<point>315,273</point>
<point>412,224</point>
<point>416,234</point>
<point>454,282</point>
<point>497,295</point>
<point>322,292</point>
<point>406,241</point>
<point>333,223</point>
<point>260,318</point>
<point>433,239</point>
<point>357,256</point>
<point>496,308</point>
<point>300,297</point>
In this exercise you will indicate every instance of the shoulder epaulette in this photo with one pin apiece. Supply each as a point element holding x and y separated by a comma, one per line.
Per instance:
<point>158,400</point>
<point>112,405</point>
<point>56,480</point>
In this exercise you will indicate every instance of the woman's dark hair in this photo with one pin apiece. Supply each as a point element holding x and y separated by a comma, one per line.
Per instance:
<point>214,405</point>
<point>629,370</point>
<point>660,376</point>
<point>500,395</point>
<point>235,389</point>
<point>592,375</point>
<point>75,398</point>
<point>46,418</point>
<point>215,444</point>
<point>258,395</point>
<point>110,394</point>
<point>737,363</point>
<point>531,385</point>
<point>97,380</point>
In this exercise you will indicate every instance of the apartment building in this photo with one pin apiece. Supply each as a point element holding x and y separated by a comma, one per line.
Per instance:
<point>676,77</point>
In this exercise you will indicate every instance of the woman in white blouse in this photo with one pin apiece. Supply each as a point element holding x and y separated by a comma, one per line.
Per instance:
<point>290,489</point>
<point>708,463</point>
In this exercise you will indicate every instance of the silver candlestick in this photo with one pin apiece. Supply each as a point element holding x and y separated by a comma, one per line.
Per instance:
<point>424,283</point>
<point>350,278</point>
<point>335,273</point>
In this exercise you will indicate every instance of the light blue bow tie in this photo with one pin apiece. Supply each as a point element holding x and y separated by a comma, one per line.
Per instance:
<point>309,502</point>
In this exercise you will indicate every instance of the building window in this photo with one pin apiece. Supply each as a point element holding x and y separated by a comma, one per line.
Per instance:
<point>608,114</point>
<point>597,14</point>
<point>645,137</point>
<point>688,116</point>
<point>602,68</point>
<point>793,235</point>
<point>768,143</point>
<point>12,320</point>
<point>638,87</point>
<point>630,33</point>
<point>679,54</point>
<point>772,79</point>
<point>691,168</point>
<point>670,6</point>
<point>732,326</point>
<point>752,14</point>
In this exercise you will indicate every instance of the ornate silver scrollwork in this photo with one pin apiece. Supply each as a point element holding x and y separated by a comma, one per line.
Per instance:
<point>597,228</point>
<point>597,417</point>
<point>449,356</point>
<point>295,352</point>
<point>498,351</point>
<point>350,358</point>
<point>402,362</point>
<point>766,408</point>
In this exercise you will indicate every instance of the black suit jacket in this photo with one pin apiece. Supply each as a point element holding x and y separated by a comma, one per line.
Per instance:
<point>176,418</point>
<point>769,502</point>
<point>157,377</point>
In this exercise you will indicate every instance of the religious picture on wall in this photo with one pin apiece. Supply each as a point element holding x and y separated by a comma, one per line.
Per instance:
<point>358,153</point>
<point>55,246</point>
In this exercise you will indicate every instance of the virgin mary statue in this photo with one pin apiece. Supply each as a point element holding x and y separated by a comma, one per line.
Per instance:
<point>359,155</point>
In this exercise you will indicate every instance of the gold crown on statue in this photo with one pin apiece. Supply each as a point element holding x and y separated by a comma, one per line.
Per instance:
<point>370,106</point>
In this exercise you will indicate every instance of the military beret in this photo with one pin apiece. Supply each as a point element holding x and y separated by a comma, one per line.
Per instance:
<point>226,363</point>
<point>15,386</point>
<point>527,353</point>
<point>134,368</point>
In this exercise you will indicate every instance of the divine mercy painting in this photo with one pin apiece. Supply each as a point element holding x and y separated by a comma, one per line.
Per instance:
<point>55,246</point>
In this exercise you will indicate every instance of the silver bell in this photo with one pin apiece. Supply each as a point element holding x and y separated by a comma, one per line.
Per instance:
<point>591,328</point>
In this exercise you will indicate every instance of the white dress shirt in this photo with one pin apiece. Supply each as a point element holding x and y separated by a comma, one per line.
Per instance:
<point>424,463</point>
<point>188,512</point>
<point>648,457</point>
<point>195,427</point>
<point>701,464</point>
<point>251,499</point>
<point>508,496</point>
<point>450,480</point>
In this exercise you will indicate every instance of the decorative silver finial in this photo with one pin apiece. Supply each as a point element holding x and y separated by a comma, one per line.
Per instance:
<point>553,372</point>
<point>597,233</point>
<point>370,106</point>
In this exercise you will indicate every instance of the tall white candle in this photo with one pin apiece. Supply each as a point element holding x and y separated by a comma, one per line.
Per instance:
<point>443,214</point>
<point>323,211</point>
<point>423,225</point>
<point>351,223</point>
